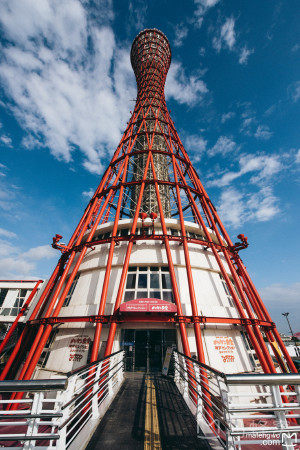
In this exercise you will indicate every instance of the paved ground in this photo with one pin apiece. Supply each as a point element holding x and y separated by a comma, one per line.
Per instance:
<point>147,413</point>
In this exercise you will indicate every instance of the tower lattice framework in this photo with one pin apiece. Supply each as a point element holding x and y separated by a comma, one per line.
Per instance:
<point>150,174</point>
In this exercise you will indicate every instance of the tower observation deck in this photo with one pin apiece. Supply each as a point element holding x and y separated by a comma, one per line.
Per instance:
<point>151,59</point>
<point>149,266</point>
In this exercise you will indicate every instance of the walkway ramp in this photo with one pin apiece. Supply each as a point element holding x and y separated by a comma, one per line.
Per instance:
<point>148,413</point>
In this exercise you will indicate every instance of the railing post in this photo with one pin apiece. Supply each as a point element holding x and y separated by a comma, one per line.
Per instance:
<point>281,421</point>
<point>32,427</point>
<point>111,379</point>
<point>63,399</point>
<point>176,368</point>
<point>185,381</point>
<point>199,412</point>
<point>224,392</point>
<point>95,406</point>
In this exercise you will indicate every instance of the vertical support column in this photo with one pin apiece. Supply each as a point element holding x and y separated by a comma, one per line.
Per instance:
<point>98,329</point>
<point>252,336</point>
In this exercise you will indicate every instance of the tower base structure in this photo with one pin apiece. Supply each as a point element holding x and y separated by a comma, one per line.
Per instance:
<point>147,320</point>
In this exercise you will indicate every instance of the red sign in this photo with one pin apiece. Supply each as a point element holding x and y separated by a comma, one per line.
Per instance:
<point>148,305</point>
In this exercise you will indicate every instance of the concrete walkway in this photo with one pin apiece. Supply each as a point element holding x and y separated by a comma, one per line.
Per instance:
<point>147,413</point>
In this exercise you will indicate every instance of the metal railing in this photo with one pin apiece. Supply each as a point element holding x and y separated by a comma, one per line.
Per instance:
<point>243,409</point>
<point>61,413</point>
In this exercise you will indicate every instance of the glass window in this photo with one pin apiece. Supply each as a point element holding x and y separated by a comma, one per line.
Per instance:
<point>166,281</point>
<point>71,291</point>
<point>148,282</point>
<point>129,295</point>
<point>154,281</point>
<point>131,277</point>
<point>46,353</point>
<point>142,280</point>
<point>227,291</point>
<point>20,299</point>
<point>155,294</point>
<point>168,296</point>
<point>3,292</point>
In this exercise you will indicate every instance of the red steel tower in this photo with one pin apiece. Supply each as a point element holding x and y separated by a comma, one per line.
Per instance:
<point>149,253</point>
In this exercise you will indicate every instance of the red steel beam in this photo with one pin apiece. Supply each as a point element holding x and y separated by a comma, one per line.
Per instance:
<point>152,317</point>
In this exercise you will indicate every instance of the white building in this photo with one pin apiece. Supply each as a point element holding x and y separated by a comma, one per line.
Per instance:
<point>226,346</point>
<point>13,296</point>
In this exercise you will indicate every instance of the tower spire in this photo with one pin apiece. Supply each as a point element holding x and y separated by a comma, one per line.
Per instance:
<point>151,59</point>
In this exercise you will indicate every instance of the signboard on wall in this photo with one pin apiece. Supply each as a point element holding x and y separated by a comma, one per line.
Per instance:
<point>148,305</point>
<point>225,347</point>
<point>78,346</point>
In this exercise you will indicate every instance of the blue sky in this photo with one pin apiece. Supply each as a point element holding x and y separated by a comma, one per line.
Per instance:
<point>233,89</point>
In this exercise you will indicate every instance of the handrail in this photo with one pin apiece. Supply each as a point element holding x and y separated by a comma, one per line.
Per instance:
<point>268,378</point>
<point>246,378</point>
<point>59,384</point>
<point>226,418</point>
<point>205,366</point>
<point>91,384</point>
<point>82,398</point>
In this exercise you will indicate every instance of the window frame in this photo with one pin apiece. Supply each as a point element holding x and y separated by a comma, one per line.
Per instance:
<point>160,292</point>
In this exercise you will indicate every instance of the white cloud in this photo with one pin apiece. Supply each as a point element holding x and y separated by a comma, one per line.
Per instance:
<point>236,207</point>
<point>227,116</point>
<point>202,6</point>
<point>17,264</point>
<point>7,194</point>
<point>263,205</point>
<point>195,146</point>
<point>6,233</point>
<point>40,252</point>
<point>66,96</point>
<point>138,11</point>
<point>270,110</point>
<point>88,194</point>
<point>226,36</point>
<point>279,293</point>
<point>6,140</point>
<point>70,85</point>
<point>263,132</point>
<point>244,55</point>
<point>231,207</point>
<point>295,48</point>
<point>181,33</point>
<point>223,146</point>
<point>264,166</point>
<point>247,125</point>
<point>296,91</point>
<point>298,157</point>
<point>250,126</point>
<point>183,88</point>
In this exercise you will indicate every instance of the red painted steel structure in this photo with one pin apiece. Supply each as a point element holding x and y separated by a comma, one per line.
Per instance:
<point>151,123</point>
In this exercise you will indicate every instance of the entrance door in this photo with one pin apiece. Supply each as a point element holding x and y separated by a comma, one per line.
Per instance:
<point>141,350</point>
<point>145,349</point>
<point>155,349</point>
